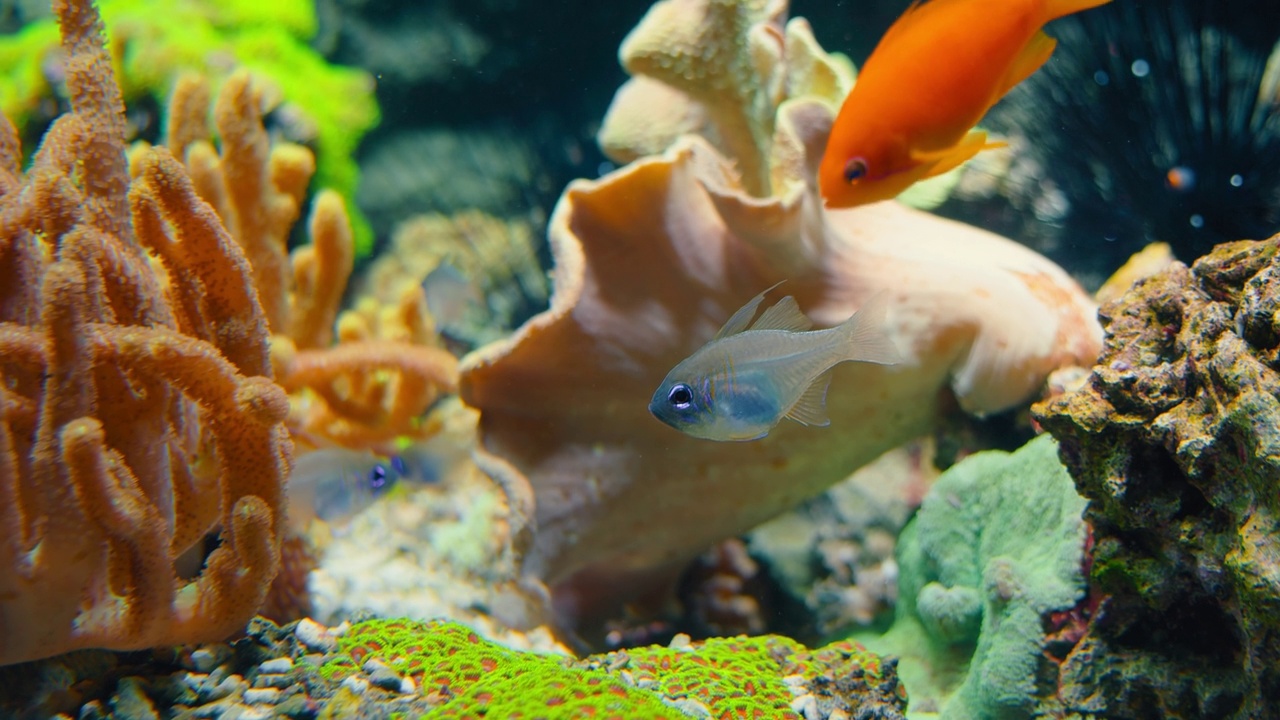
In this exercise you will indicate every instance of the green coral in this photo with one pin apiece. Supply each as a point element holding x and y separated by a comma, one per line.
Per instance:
<point>998,544</point>
<point>153,41</point>
<point>483,679</point>
<point>722,677</point>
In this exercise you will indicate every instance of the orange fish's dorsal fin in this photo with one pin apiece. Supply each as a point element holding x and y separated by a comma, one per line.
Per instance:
<point>785,315</point>
<point>811,408</point>
<point>1034,54</point>
<point>904,20</point>
<point>952,157</point>
<point>1054,9</point>
<point>741,319</point>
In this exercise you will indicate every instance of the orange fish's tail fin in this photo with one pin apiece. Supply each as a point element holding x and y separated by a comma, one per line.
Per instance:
<point>1054,9</point>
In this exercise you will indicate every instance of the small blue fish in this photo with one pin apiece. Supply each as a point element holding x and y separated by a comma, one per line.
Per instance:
<point>751,375</point>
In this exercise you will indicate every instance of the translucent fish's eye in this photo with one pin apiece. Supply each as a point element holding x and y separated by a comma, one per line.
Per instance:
<point>377,477</point>
<point>680,397</point>
<point>398,464</point>
<point>855,169</point>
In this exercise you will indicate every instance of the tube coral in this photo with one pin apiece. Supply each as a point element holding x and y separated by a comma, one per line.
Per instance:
<point>383,373</point>
<point>136,406</point>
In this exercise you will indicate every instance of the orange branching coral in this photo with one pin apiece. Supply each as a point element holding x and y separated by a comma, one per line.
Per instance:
<point>137,411</point>
<point>378,381</point>
<point>371,390</point>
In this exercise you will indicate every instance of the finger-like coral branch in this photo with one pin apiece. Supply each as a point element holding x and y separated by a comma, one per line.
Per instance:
<point>136,414</point>
<point>373,390</point>
<point>385,385</point>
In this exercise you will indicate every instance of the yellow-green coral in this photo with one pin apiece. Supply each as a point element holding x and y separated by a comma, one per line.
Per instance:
<point>739,677</point>
<point>153,41</point>
<point>477,678</point>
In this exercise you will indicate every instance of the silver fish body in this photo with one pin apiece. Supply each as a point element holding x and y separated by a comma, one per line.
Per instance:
<point>751,375</point>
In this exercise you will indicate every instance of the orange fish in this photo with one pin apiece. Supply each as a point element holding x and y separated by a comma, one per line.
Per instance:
<point>933,76</point>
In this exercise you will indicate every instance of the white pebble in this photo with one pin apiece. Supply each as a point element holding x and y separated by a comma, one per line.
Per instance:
<point>279,665</point>
<point>204,660</point>
<point>408,686</point>
<point>257,696</point>
<point>681,642</point>
<point>357,685</point>
<point>806,705</point>
<point>838,714</point>
<point>194,681</point>
<point>316,636</point>
<point>372,666</point>
<point>690,707</point>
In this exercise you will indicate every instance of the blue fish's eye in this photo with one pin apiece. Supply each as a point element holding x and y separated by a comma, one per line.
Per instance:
<point>855,169</point>
<point>680,397</point>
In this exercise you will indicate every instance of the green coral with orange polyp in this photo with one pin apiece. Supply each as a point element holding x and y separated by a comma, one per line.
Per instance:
<point>727,677</point>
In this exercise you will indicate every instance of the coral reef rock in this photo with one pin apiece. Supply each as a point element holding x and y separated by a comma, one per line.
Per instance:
<point>1175,441</point>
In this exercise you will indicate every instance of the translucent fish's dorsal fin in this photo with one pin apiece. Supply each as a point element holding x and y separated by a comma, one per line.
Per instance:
<point>785,315</point>
<point>811,408</point>
<point>866,335</point>
<point>741,319</point>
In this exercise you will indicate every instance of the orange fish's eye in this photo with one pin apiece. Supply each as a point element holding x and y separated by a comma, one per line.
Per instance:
<point>855,169</point>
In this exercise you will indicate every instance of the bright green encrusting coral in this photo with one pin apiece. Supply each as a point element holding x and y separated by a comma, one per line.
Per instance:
<point>998,544</point>
<point>483,679</point>
<point>735,677</point>
<point>153,41</point>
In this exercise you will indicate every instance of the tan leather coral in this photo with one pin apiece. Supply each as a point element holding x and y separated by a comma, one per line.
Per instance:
<point>651,259</point>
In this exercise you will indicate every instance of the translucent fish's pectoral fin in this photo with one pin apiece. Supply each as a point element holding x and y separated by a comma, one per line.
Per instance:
<point>784,315</point>
<point>951,158</point>
<point>1034,54</point>
<point>811,408</point>
<point>741,319</point>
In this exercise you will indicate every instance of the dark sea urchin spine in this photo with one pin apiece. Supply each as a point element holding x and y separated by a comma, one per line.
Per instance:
<point>1159,120</point>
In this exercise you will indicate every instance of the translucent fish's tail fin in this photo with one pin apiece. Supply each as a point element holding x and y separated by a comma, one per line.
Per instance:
<point>867,337</point>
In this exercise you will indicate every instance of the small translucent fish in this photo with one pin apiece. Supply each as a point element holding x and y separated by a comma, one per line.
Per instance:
<point>751,375</point>
<point>450,295</point>
<point>334,484</point>
<point>931,78</point>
